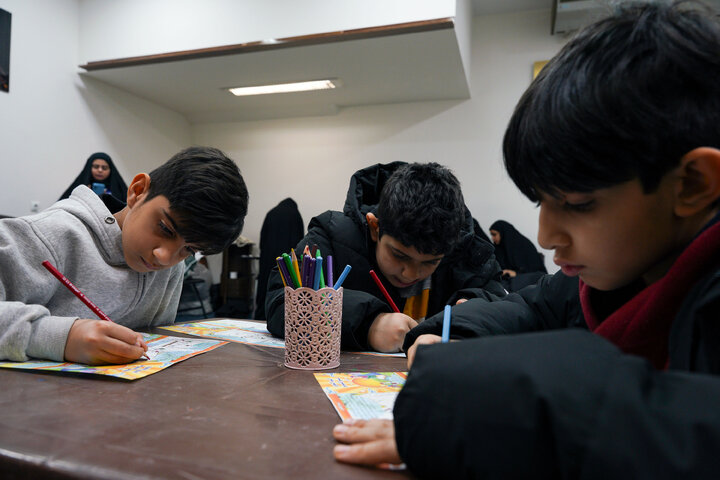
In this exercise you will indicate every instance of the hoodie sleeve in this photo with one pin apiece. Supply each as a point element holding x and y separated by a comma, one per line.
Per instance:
<point>546,305</point>
<point>564,404</point>
<point>359,308</point>
<point>26,327</point>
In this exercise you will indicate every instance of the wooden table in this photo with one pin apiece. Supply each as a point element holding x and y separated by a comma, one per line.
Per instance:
<point>233,413</point>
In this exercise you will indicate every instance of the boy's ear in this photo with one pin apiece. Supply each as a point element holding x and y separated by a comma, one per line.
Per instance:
<point>138,189</point>
<point>699,187</point>
<point>374,225</point>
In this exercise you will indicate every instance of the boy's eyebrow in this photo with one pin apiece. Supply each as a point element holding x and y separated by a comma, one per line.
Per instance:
<point>170,219</point>
<point>173,223</point>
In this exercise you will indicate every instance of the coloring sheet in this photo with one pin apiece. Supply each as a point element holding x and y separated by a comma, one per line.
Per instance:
<point>163,351</point>
<point>242,331</point>
<point>362,395</point>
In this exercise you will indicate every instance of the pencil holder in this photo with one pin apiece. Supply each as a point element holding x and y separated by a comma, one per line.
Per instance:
<point>312,328</point>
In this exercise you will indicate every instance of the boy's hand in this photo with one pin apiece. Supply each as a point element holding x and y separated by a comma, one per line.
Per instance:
<point>427,339</point>
<point>370,442</point>
<point>388,330</point>
<point>509,273</point>
<point>98,342</point>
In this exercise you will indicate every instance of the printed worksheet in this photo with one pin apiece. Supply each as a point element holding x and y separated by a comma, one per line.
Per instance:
<point>362,395</point>
<point>163,352</point>
<point>242,331</point>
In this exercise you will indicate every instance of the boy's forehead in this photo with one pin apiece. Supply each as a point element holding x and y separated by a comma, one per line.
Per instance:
<point>408,250</point>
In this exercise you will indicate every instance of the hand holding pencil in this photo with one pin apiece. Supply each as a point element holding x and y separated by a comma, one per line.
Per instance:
<point>94,342</point>
<point>97,342</point>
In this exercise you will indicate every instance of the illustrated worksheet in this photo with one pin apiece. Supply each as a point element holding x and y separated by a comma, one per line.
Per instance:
<point>163,352</point>
<point>242,331</point>
<point>362,395</point>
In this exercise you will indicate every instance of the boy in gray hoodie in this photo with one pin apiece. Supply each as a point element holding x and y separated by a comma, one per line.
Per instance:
<point>126,258</point>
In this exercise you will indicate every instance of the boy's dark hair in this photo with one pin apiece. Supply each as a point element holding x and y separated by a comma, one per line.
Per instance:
<point>206,193</point>
<point>626,98</point>
<point>421,205</point>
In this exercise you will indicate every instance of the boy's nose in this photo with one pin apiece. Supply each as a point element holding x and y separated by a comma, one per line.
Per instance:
<point>165,255</point>
<point>409,273</point>
<point>550,233</point>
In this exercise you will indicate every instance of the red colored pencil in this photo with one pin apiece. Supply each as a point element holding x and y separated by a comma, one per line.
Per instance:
<point>384,292</point>
<point>63,279</point>
<point>76,291</point>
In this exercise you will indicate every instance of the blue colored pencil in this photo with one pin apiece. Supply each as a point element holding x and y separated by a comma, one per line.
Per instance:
<point>343,275</point>
<point>318,273</point>
<point>446,324</point>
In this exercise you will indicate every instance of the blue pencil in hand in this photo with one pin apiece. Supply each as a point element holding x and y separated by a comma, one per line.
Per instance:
<point>446,324</point>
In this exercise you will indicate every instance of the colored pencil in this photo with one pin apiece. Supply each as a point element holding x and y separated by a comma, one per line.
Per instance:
<point>446,324</point>
<point>295,265</point>
<point>284,275</point>
<point>76,291</point>
<point>318,281</point>
<point>343,275</point>
<point>329,268</point>
<point>384,292</point>
<point>291,268</point>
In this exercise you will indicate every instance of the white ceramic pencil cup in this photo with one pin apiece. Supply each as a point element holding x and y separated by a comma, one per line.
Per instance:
<point>313,320</point>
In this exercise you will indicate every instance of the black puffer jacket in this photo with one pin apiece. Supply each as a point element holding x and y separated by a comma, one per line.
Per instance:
<point>552,401</point>
<point>470,267</point>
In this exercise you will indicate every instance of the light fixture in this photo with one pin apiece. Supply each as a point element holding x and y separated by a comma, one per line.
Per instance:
<point>286,87</point>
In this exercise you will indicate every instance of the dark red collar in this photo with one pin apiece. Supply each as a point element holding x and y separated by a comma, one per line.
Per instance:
<point>642,325</point>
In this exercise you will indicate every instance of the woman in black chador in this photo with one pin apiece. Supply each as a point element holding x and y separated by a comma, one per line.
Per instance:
<point>521,263</point>
<point>100,170</point>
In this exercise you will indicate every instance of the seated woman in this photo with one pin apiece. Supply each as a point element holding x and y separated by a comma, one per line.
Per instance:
<point>521,263</point>
<point>101,176</point>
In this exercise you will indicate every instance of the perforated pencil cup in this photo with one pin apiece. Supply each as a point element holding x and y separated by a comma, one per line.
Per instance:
<point>313,320</point>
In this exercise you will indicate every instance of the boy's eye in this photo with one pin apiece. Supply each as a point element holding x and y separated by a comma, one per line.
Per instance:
<point>580,207</point>
<point>165,230</point>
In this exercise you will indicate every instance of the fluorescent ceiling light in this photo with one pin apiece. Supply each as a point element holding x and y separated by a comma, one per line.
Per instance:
<point>285,87</point>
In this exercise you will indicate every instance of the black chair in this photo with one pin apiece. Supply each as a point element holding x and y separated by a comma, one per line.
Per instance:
<point>190,292</point>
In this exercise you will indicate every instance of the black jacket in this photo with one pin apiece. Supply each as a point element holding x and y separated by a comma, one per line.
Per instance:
<point>283,226</point>
<point>470,267</point>
<point>564,403</point>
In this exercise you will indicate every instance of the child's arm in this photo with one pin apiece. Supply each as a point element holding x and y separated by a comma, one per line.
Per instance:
<point>554,405</point>
<point>27,329</point>
<point>98,342</point>
<point>552,303</point>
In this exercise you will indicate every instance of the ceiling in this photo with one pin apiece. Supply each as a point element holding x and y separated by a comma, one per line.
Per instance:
<point>417,66</point>
<point>487,7</point>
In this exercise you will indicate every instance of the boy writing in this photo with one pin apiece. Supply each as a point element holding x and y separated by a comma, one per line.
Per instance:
<point>125,258</point>
<point>618,142</point>
<point>409,223</point>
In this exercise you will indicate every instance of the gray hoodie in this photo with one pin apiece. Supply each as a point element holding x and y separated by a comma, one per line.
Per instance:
<point>81,238</point>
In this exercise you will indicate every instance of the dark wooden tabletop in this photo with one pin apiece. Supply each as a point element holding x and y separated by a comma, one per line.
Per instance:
<point>233,413</point>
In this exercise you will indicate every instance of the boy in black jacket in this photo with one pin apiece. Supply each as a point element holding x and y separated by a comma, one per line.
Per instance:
<point>618,140</point>
<point>409,223</point>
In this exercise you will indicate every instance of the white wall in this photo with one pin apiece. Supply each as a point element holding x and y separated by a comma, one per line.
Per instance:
<point>52,119</point>
<point>113,29</point>
<point>465,135</point>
